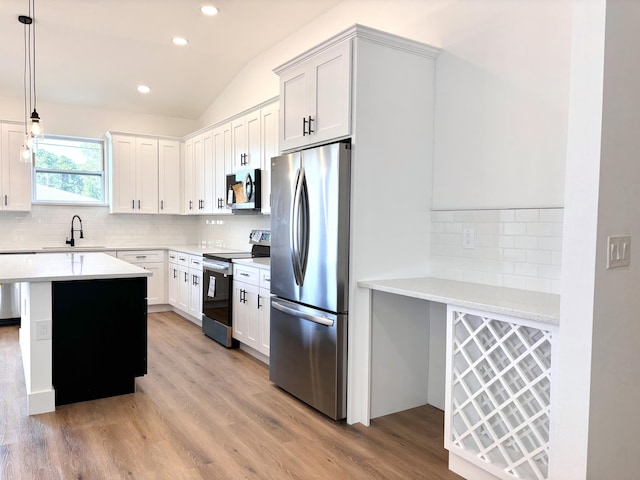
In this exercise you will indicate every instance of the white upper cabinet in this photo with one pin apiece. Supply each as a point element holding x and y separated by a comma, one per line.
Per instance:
<point>199,171</point>
<point>222,155</point>
<point>15,176</point>
<point>169,175</point>
<point>245,135</point>
<point>134,174</point>
<point>315,97</point>
<point>269,148</point>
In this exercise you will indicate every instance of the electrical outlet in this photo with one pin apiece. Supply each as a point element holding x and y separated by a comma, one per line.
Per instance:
<point>43,330</point>
<point>468,238</point>
<point>618,251</point>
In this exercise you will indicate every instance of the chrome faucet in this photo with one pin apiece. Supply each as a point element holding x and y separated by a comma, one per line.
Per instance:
<point>72,242</point>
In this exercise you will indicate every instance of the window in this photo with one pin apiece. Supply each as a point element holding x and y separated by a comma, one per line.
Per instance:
<point>69,170</point>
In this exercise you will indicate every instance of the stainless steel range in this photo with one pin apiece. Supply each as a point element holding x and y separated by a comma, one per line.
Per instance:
<point>217,287</point>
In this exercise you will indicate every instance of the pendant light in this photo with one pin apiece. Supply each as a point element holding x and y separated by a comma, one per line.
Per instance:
<point>34,128</point>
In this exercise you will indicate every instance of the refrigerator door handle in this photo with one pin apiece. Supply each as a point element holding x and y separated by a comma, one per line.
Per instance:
<point>299,226</point>
<point>293,309</point>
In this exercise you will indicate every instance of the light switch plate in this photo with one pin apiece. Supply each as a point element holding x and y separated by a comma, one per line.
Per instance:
<point>43,330</point>
<point>618,251</point>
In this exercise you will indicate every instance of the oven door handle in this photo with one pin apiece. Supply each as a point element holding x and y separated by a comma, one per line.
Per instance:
<point>216,267</point>
<point>291,309</point>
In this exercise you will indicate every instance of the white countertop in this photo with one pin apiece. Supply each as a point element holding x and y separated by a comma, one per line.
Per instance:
<point>51,267</point>
<point>193,249</point>
<point>260,262</point>
<point>541,307</point>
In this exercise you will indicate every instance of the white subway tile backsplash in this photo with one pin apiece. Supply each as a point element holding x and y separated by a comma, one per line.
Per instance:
<point>515,228</point>
<point>528,215</point>
<point>48,225</point>
<point>514,255</point>
<point>527,242</point>
<point>507,215</point>
<point>505,241</point>
<point>526,269</point>
<point>516,248</point>
<point>540,229</point>
<point>539,257</point>
<point>552,215</point>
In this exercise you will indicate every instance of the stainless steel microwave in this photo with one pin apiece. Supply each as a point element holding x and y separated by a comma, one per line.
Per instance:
<point>244,191</point>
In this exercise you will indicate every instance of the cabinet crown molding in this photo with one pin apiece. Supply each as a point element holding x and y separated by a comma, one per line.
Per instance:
<point>366,33</point>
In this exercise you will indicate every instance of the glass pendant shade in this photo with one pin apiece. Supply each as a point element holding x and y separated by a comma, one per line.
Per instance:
<point>25,153</point>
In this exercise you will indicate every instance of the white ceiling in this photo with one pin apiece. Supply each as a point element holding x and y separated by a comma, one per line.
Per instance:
<point>95,52</point>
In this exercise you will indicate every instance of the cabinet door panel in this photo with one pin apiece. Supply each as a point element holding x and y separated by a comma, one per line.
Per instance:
<point>265,315</point>
<point>15,175</point>
<point>123,174</point>
<point>222,153</point>
<point>183,288</point>
<point>155,283</point>
<point>169,168</point>
<point>239,139</point>
<point>173,282</point>
<point>332,86</point>
<point>147,175</point>
<point>294,105</point>
<point>252,125</point>
<point>207,171</point>
<point>189,187</point>
<point>240,312</point>
<point>269,116</point>
<point>195,292</point>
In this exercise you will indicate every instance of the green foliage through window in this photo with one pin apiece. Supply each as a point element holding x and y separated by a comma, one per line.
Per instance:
<point>69,170</point>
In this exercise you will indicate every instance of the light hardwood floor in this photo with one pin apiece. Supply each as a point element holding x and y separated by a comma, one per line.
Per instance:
<point>204,412</point>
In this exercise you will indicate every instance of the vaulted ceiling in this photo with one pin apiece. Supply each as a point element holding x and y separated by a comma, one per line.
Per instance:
<point>96,52</point>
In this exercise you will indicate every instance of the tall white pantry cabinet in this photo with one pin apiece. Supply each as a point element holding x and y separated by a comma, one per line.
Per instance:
<point>386,86</point>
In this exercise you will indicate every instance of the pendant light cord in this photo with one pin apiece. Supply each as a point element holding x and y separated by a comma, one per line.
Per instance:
<point>26,82</point>
<point>32,9</point>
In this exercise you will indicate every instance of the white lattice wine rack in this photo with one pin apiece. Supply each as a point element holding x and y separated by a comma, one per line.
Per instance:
<point>498,402</point>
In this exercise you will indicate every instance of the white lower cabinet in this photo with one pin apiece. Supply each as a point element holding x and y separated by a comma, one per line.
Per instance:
<point>173,283</point>
<point>498,392</point>
<point>154,261</point>
<point>185,283</point>
<point>251,317</point>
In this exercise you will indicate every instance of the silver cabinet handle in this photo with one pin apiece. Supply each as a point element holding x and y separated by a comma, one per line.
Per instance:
<point>292,309</point>
<point>141,256</point>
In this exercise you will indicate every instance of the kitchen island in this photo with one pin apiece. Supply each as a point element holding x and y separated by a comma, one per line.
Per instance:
<point>83,329</point>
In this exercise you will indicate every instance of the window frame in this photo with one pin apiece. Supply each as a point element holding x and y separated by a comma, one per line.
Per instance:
<point>102,174</point>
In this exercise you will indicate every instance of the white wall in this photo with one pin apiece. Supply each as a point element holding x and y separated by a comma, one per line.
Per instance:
<point>615,385</point>
<point>501,106</point>
<point>572,385</point>
<point>502,91</point>
<point>79,121</point>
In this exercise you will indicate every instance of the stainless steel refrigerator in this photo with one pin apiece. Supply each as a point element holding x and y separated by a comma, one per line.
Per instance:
<point>309,275</point>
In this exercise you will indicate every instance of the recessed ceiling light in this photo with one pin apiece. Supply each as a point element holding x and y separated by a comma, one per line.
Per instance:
<point>143,89</point>
<point>209,10</point>
<point>179,41</point>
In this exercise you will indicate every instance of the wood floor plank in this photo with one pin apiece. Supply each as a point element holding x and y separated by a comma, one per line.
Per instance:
<point>205,412</point>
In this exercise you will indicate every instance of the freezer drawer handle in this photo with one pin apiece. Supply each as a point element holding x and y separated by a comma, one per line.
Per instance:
<point>298,313</point>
